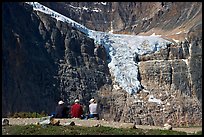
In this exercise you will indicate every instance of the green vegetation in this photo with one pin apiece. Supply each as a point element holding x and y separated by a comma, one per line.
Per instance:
<point>198,133</point>
<point>78,130</point>
<point>28,115</point>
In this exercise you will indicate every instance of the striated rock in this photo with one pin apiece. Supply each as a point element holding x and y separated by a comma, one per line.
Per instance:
<point>150,121</point>
<point>137,121</point>
<point>130,18</point>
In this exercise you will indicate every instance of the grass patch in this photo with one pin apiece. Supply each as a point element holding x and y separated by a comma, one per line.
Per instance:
<point>78,130</point>
<point>27,115</point>
<point>198,133</point>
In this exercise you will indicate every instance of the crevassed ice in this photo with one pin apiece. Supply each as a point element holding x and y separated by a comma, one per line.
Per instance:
<point>122,49</point>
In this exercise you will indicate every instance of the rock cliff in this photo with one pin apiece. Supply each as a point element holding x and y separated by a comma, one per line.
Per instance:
<point>133,17</point>
<point>45,60</point>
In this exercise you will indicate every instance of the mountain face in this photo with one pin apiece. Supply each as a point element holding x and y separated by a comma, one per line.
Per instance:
<point>45,60</point>
<point>133,17</point>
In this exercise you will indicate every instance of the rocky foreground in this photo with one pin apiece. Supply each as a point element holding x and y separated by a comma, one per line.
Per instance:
<point>91,123</point>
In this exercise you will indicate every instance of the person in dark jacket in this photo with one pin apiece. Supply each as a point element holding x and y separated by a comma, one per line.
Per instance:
<point>76,110</point>
<point>61,110</point>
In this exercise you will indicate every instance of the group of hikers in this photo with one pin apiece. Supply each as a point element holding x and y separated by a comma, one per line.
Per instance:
<point>76,110</point>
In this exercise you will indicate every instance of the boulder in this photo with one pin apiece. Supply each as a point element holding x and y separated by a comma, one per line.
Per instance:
<point>167,126</point>
<point>54,122</point>
<point>5,122</point>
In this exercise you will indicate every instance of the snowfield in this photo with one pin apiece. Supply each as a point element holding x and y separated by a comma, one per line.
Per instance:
<point>122,50</point>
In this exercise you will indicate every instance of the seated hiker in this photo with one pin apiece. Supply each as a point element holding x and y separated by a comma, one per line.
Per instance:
<point>61,110</point>
<point>93,109</point>
<point>76,110</point>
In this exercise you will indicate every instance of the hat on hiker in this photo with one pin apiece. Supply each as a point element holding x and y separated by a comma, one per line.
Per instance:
<point>76,101</point>
<point>60,102</point>
<point>92,100</point>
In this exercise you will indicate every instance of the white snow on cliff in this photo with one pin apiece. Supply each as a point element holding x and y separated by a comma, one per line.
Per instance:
<point>39,7</point>
<point>122,50</point>
<point>104,3</point>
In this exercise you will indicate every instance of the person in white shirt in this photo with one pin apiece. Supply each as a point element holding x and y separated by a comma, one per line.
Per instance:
<point>93,109</point>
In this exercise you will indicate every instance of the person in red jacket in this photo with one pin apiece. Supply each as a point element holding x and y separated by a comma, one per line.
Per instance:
<point>76,110</point>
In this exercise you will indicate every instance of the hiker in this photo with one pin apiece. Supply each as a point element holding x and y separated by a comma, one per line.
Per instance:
<point>61,110</point>
<point>93,109</point>
<point>76,110</point>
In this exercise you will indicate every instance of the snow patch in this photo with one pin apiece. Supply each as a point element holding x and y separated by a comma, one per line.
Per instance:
<point>147,91</point>
<point>39,7</point>
<point>179,32</point>
<point>111,31</point>
<point>153,34</point>
<point>85,8</point>
<point>177,41</point>
<point>104,3</point>
<point>185,60</point>
<point>168,104</point>
<point>116,87</point>
<point>74,7</point>
<point>152,99</point>
<point>96,10</point>
<point>78,8</point>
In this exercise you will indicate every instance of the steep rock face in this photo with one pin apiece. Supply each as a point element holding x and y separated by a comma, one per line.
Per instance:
<point>195,60</point>
<point>181,63</point>
<point>27,68</point>
<point>132,17</point>
<point>172,89</point>
<point>45,60</point>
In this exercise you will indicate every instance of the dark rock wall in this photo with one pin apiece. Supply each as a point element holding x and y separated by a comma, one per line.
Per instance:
<point>195,60</point>
<point>28,70</point>
<point>44,60</point>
